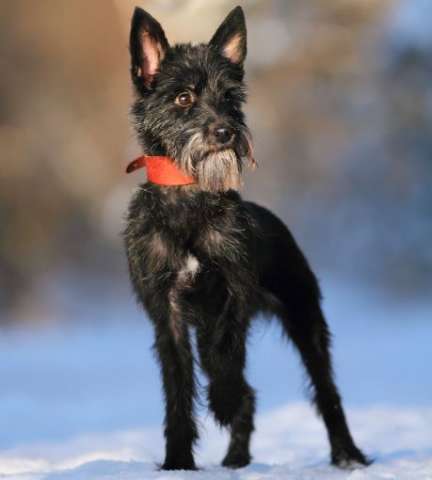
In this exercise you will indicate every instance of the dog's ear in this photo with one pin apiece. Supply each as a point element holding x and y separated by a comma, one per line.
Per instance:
<point>230,38</point>
<point>147,45</point>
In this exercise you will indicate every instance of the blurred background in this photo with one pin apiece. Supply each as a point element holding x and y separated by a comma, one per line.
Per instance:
<point>340,107</point>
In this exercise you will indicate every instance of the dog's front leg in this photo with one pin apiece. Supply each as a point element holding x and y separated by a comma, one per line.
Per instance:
<point>175,357</point>
<point>221,343</point>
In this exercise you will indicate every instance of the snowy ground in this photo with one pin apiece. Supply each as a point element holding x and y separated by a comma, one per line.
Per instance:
<point>290,444</point>
<point>84,402</point>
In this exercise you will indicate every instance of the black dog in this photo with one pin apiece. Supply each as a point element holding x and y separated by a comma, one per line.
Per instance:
<point>201,257</point>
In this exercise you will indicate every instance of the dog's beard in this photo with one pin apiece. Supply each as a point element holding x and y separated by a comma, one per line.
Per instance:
<point>216,170</point>
<point>219,171</point>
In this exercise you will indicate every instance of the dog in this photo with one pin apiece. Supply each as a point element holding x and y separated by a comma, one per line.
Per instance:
<point>201,258</point>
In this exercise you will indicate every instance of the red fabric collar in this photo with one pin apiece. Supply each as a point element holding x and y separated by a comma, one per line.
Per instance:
<point>160,170</point>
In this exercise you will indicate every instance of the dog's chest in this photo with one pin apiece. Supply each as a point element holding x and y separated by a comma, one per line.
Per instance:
<point>188,259</point>
<point>187,272</point>
<point>181,239</point>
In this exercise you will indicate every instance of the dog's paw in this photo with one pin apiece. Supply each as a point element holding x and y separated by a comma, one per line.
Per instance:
<point>236,460</point>
<point>350,458</point>
<point>179,464</point>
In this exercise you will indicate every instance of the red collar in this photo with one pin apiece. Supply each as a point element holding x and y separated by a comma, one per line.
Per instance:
<point>160,170</point>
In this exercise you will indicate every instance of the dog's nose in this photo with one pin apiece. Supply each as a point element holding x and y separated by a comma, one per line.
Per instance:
<point>223,134</point>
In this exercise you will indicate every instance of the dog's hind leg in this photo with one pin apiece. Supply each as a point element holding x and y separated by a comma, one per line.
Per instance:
<point>175,357</point>
<point>222,351</point>
<point>304,322</point>
<point>312,338</point>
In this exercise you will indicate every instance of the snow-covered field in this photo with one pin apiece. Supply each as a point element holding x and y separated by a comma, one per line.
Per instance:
<point>84,402</point>
<point>289,444</point>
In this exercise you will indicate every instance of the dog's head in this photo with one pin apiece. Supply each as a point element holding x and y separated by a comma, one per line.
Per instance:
<point>189,99</point>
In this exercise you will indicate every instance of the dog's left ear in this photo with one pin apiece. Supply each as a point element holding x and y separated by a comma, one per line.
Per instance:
<point>230,38</point>
<point>147,45</point>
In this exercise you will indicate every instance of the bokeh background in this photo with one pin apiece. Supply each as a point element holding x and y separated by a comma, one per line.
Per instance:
<point>340,107</point>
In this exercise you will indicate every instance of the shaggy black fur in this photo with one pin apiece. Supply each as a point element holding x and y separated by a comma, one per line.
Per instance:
<point>201,257</point>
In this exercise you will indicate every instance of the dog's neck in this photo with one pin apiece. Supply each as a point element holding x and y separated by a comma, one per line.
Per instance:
<point>161,170</point>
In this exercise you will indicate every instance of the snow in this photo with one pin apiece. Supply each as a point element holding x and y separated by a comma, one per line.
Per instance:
<point>290,443</point>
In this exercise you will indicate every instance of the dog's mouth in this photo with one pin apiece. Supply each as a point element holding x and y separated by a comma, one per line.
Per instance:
<point>217,152</point>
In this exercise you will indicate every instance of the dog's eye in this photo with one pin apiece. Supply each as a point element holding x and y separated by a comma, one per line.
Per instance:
<point>185,99</point>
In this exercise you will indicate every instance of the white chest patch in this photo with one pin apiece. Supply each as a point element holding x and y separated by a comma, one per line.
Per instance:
<point>190,268</point>
<point>184,280</point>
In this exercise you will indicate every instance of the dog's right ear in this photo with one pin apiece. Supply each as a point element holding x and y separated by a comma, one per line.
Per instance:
<point>147,45</point>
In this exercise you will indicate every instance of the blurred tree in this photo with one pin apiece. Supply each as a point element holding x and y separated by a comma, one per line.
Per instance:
<point>340,110</point>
